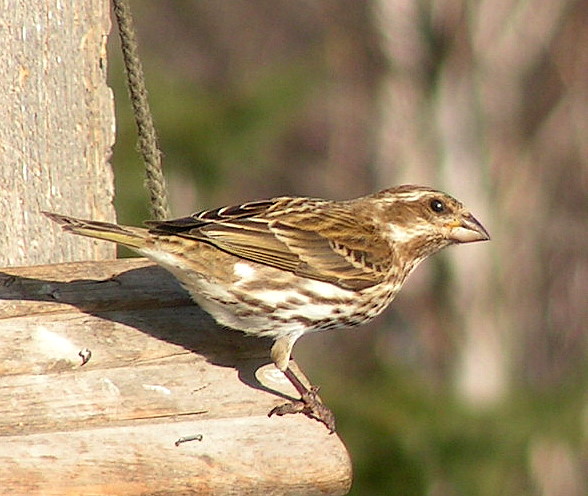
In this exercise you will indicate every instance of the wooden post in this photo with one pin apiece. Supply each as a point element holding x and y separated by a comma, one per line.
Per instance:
<point>159,368</point>
<point>56,128</point>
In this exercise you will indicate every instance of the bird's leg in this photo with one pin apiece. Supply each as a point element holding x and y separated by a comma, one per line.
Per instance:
<point>309,403</point>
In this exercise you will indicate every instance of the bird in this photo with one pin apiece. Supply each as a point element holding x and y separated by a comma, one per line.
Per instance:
<point>286,266</point>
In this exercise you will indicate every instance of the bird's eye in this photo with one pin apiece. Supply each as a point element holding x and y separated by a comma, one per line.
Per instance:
<point>437,206</point>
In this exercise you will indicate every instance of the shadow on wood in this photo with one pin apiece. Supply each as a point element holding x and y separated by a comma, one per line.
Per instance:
<point>160,369</point>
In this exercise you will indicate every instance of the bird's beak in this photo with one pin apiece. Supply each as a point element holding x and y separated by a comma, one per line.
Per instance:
<point>467,229</point>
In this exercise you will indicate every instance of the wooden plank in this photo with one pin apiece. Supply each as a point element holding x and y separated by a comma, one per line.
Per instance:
<point>160,369</point>
<point>240,456</point>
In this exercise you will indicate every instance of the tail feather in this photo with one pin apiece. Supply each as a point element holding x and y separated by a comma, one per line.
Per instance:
<point>132,237</point>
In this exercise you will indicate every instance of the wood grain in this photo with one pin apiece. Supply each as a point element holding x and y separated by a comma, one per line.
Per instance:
<point>160,369</point>
<point>57,130</point>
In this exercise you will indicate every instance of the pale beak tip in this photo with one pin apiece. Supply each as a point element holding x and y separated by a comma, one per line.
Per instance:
<point>469,231</point>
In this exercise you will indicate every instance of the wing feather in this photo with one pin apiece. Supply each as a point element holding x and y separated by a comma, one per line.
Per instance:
<point>319,239</point>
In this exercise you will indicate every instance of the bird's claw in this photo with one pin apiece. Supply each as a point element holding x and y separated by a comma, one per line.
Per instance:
<point>311,406</point>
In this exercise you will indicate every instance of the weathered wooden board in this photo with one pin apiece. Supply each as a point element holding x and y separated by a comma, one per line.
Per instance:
<point>160,369</point>
<point>57,128</point>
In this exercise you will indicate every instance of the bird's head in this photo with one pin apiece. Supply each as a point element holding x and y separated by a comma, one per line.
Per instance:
<point>421,221</point>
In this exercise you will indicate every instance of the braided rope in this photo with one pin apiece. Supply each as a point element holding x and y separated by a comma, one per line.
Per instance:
<point>147,135</point>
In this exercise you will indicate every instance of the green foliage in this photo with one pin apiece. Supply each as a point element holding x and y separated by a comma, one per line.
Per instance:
<point>408,439</point>
<point>205,131</point>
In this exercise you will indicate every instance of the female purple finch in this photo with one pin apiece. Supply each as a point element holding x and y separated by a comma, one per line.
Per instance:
<point>290,265</point>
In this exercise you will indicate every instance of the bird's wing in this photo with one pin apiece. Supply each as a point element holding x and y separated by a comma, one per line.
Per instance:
<point>318,239</point>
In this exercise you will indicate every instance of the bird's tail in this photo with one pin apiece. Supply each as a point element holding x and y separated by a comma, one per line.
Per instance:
<point>133,237</point>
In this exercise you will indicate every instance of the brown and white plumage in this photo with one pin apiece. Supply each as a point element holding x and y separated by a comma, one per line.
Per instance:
<point>290,265</point>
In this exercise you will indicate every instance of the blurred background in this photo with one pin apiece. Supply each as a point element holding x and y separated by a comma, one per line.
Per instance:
<point>475,381</point>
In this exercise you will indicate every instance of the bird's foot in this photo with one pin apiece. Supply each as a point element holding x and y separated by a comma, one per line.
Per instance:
<point>310,405</point>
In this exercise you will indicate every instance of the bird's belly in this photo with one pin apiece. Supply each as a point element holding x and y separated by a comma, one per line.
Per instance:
<point>277,312</point>
<point>265,301</point>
